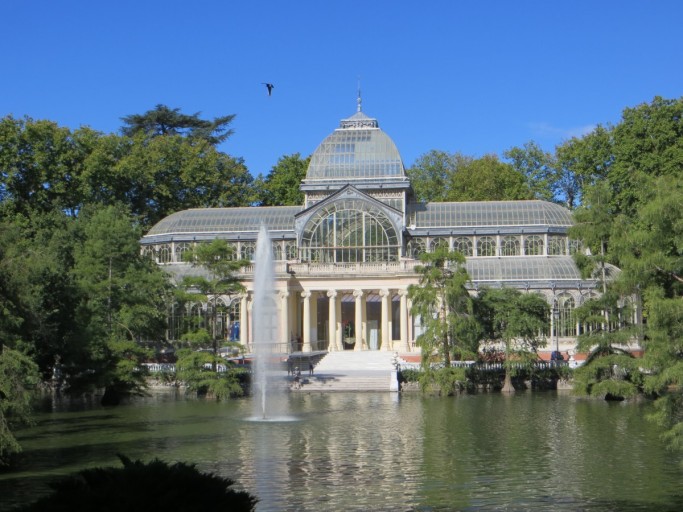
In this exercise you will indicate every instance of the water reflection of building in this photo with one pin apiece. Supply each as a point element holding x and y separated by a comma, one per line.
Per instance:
<point>345,258</point>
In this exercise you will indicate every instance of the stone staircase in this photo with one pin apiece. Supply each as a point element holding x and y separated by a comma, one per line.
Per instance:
<point>351,371</point>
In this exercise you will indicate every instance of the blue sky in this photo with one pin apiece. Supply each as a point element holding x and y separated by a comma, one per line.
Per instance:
<point>475,77</point>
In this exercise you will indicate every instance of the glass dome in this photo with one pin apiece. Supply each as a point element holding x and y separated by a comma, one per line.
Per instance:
<point>357,150</point>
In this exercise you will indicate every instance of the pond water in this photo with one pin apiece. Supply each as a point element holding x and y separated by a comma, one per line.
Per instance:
<point>375,451</point>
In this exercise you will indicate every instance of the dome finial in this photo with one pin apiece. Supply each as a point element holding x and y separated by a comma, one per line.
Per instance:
<point>359,100</point>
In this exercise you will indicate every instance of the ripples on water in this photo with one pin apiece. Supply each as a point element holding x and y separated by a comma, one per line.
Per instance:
<point>376,451</point>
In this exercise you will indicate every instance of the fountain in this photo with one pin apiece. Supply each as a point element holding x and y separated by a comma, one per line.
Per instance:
<point>269,399</point>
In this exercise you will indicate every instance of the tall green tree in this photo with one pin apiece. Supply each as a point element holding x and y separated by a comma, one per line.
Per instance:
<point>537,165</point>
<point>487,179</point>
<point>281,186</point>
<point>580,163</point>
<point>219,266</point>
<point>162,120</point>
<point>19,379</point>
<point>516,321</point>
<point>648,142</point>
<point>649,247</point>
<point>121,303</point>
<point>36,257</point>
<point>444,306</point>
<point>431,174</point>
<point>610,371</point>
<point>593,224</point>
<point>165,174</point>
<point>41,164</point>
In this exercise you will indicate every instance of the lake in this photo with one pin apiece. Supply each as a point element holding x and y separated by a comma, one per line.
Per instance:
<point>374,451</point>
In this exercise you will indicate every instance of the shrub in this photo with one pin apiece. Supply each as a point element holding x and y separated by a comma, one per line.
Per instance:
<point>144,487</point>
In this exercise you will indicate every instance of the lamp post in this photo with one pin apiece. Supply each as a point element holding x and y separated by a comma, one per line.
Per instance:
<point>556,321</point>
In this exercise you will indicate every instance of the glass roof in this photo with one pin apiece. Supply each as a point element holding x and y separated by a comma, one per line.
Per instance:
<point>490,214</point>
<point>357,149</point>
<point>202,220</point>
<point>552,268</point>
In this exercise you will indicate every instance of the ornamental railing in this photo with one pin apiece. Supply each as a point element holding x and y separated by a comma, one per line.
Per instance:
<point>365,268</point>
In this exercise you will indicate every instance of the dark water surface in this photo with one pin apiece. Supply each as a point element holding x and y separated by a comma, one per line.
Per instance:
<point>375,451</point>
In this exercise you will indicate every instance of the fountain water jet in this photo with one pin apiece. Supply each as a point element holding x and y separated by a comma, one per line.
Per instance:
<point>268,400</point>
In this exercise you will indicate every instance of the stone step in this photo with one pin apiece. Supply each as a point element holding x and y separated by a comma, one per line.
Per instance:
<point>345,383</point>
<point>350,371</point>
<point>352,361</point>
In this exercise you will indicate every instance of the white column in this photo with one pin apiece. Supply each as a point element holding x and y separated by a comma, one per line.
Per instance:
<point>250,323</point>
<point>411,324</point>
<point>332,321</point>
<point>386,335</point>
<point>340,328</point>
<point>315,337</point>
<point>307,321</point>
<point>284,322</point>
<point>244,333</point>
<point>404,320</point>
<point>358,320</point>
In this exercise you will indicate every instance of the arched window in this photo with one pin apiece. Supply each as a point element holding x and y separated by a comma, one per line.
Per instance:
<point>533,245</point>
<point>463,244</point>
<point>277,251</point>
<point>574,246</point>
<point>148,251</point>
<point>181,249</point>
<point>564,315</point>
<point>247,250</point>
<point>509,246</point>
<point>486,246</point>
<point>437,243</point>
<point>233,320</point>
<point>235,255</point>
<point>557,246</point>
<point>416,247</point>
<point>349,230</point>
<point>164,253</point>
<point>290,251</point>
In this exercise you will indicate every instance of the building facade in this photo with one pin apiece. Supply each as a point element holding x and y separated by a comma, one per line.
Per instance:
<point>345,258</point>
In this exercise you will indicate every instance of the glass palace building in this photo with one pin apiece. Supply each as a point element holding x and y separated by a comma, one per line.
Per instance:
<point>345,258</point>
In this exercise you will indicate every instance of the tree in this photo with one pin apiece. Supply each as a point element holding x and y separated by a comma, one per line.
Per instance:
<point>580,163</point>
<point>515,320</point>
<point>209,374</point>
<point>430,175</point>
<point>41,165</point>
<point>650,252</point>
<point>220,266</point>
<point>537,165</point>
<point>163,175</point>
<point>593,222</point>
<point>121,303</point>
<point>487,179</point>
<point>648,142</point>
<point>36,289</point>
<point>163,120</point>
<point>19,378</point>
<point>281,186</point>
<point>610,371</point>
<point>444,306</point>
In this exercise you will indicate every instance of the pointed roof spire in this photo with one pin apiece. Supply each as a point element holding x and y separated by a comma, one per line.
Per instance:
<point>358,120</point>
<point>359,100</point>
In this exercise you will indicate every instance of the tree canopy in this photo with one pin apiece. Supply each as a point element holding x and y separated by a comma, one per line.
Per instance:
<point>162,120</point>
<point>281,186</point>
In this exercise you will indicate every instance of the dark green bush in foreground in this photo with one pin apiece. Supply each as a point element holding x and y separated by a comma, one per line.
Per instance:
<point>144,487</point>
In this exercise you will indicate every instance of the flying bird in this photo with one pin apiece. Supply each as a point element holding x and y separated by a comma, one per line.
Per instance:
<point>270,87</point>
